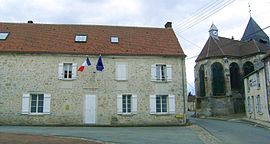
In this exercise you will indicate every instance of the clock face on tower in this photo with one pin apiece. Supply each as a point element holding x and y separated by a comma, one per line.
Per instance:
<point>215,33</point>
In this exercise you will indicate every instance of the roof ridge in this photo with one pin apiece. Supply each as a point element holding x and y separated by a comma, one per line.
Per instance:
<point>83,24</point>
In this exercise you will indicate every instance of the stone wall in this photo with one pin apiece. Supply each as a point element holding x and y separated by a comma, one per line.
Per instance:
<point>27,73</point>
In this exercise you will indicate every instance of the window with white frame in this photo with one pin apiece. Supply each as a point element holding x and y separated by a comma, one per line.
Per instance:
<point>67,71</point>
<point>161,72</point>
<point>114,39</point>
<point>121,71</point>
<point>162,104</point>
<point>81,38</point>
<point>36,103</point>
<point>259,102</point>
<point>126,104</point>
<point>4,35</point>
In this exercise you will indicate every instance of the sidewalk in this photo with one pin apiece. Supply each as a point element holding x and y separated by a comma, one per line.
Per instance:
<point>241,118</point>
<point>257,122</point>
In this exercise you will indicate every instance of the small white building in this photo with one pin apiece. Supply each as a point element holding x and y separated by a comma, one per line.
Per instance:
<point>256,94</point>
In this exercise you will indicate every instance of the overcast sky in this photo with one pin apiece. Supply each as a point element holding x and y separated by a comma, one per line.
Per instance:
<point>230,20</point>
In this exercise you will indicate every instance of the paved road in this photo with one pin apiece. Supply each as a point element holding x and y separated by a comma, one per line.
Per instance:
<point>233,132</point>
<point>125,135</point>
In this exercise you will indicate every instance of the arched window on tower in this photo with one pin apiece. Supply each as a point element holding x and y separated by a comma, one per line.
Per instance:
<point>218,82</point>
<point>202,84</point>
<point>235,76</point>
<point>248,68</point>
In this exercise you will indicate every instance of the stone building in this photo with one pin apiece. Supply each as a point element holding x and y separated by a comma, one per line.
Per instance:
<point>256,94</point>
<point>221,66</point>
<point>143,81</point>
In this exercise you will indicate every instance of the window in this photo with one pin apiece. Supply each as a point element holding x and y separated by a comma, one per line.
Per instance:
<point>81,38</point>
<point>248,104</point>
<point>259,102</point>
<point>114,39</point>
<point>162,104</point>
<point>67,71</point>
<point>126,104</point>
<point>121,71</point>
<point>3,35</point>
<point>161,72</point>
<point>36,103</point>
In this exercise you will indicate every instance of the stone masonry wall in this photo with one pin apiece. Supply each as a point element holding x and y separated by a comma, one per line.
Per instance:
<point>26,73</point>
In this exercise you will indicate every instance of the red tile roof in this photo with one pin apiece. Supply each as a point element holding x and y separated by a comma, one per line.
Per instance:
<point>60,38</point>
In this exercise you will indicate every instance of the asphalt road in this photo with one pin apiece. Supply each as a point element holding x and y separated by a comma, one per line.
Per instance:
<point>123,135</point>
<point>234,132</point>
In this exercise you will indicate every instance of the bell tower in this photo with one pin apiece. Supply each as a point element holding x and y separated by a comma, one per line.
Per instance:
<point>213,31</point>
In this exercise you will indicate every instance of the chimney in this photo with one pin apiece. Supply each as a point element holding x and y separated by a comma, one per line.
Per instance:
<point>168,25</point>
<point>30,21</point>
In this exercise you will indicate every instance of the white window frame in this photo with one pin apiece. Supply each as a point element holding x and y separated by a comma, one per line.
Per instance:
<point>27,104</point>
<point>3,35</point>
<point>36,103</point>
<point>81,38</point>
<point>170,104</point>
<point>160,98</point>
<point>161,73</point>
<point>259,103</point>
<point>61,71</point>
<point>114,39</point>
<point>121,71</point>
<point>120,104</point>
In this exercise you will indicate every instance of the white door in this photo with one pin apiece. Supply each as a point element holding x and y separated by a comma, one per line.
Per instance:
<point>90,109</point>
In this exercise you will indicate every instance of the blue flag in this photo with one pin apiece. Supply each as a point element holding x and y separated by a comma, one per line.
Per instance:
<point>99,65</point>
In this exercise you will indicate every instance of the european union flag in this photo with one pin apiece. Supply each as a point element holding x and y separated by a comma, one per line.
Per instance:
<point>99,65</point>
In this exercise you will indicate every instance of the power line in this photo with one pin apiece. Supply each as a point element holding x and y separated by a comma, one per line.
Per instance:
<point>203,17</point>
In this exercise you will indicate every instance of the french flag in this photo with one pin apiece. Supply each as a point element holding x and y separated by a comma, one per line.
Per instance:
<point>85,63</point>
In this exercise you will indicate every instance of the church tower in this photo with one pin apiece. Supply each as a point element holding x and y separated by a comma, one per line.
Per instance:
<point>213,31</point>
<point>254,32</point>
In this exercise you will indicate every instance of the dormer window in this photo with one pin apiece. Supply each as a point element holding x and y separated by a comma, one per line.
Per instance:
<point>114,39</point>
<point>4,35</point>
<point>81,38</point>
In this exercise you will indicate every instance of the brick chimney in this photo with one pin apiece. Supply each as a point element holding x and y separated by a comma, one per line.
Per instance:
<point>168,25</point>
<point>30,21</point>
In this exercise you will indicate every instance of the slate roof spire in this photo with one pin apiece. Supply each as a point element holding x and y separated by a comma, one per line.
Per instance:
<point>213,31</point>
<point>254,32</point>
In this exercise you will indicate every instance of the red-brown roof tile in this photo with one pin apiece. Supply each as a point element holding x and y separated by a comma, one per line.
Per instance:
<point>53,38</point>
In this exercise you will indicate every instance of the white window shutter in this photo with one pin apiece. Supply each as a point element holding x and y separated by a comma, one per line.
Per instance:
<point>171,104</point>
<point>47,104</point>
<point>74,71</point>
<point>169,72</point>
<point>121,71</point>
<point>251,104</point>
<point>134,104</point>
<point>262,103</point>
<point>257,103</point>
<point>152,104</point>
<point>153,73</point>
<point>119,104</point>
<point>60,71</point>
<point>25,103</point>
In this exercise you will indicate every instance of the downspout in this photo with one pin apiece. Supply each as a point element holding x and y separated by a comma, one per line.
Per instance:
<point>183,85</point>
